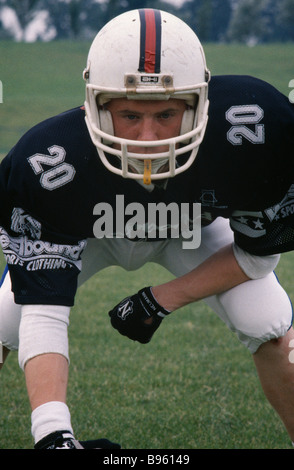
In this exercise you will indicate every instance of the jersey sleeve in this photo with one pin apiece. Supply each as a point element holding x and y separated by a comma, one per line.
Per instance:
<point>39,223</point>
<point>249,145</point>
<point>266,232</point>
<point>41,272</point>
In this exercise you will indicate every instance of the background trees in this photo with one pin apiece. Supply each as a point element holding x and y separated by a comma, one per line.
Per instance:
<point>245,21</point>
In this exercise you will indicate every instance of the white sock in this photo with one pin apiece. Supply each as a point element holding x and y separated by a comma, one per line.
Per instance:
<point>50,417</point>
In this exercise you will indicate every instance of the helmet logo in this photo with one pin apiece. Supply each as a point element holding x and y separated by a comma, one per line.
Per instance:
<point>149,79</point>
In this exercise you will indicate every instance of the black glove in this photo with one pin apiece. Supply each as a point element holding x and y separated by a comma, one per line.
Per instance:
<point>129,316</point>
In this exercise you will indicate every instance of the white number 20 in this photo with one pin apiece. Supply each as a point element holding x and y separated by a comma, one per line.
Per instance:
<point>240,117</point>
<point>61,173</point>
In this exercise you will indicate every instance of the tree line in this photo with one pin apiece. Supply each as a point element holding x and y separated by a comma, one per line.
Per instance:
<point>245,21</point>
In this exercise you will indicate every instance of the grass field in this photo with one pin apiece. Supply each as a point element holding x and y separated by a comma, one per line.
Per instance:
<point>194,386</point>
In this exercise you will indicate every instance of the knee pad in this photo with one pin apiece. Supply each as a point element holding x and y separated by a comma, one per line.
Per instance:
<point>43,329</point>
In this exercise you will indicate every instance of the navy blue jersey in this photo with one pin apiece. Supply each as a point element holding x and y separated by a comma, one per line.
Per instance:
<point>245,166</point>
<point>52,179</point>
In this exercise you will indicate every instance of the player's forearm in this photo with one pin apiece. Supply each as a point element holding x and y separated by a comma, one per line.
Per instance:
<point>217,274</point>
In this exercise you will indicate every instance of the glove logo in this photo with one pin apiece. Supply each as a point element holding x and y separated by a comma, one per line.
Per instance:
<point>125,308</point>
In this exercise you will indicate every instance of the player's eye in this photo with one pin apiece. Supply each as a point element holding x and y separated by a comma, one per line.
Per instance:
<point>164,116</point>
<point>131,117</point>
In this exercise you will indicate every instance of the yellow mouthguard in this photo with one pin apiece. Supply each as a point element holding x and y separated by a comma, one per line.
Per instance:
<point>147,172</point>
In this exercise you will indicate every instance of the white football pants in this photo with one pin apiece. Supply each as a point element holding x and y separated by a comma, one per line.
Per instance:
<point>257,310</point>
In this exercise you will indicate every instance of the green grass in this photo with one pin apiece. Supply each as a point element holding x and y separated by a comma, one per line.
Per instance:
<point>194,386</point>
<point>42,79</point>
<point>39,80</point>
<point>273,63</point>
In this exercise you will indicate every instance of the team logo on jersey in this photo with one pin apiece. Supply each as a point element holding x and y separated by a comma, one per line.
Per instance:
<point>21,222</point>
<point>37,255</point>
<point>125,308</point>
<point>208,198</point>
<point>250,223</point>
<point>283,209</point>
<point>253,224</point>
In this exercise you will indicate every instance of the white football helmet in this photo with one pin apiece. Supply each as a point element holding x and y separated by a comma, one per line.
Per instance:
<point>146,54</point>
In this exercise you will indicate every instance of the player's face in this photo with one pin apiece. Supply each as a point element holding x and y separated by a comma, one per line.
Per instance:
<point>146,120</point>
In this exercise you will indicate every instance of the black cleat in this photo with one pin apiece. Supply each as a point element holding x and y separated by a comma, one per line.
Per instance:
<point>65,440</point>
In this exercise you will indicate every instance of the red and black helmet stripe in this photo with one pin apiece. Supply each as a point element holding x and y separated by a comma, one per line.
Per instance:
<point>150,41</point>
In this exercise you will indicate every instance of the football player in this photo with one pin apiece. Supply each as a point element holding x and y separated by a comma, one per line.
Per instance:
<point>156,132</point>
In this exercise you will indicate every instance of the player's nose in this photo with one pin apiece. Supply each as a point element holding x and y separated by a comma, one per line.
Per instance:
<point>148,130</point>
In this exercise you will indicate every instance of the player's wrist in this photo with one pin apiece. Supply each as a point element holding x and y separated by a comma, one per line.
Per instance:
<point>150,303</point>
<point>165,298</point>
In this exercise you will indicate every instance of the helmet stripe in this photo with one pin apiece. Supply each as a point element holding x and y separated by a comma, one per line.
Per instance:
<point>150,41</point>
